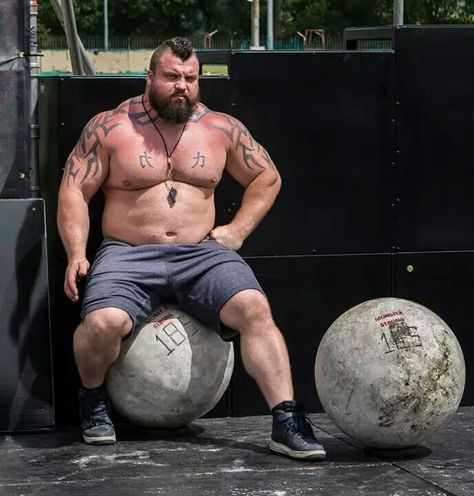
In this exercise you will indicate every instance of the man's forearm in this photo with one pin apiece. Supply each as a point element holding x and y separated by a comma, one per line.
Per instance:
<point>257,200</point>
<point>73,225</point>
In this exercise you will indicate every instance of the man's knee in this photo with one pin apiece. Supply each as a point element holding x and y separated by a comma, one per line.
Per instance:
<point>247,308</point>
<point>106,324</point>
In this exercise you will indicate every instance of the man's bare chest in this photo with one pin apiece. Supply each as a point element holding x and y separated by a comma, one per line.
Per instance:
<point>139,162</point>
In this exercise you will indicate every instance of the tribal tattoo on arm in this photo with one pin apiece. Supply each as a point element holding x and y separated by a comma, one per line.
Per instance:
<point>89,144</point>
<point>253,154</point>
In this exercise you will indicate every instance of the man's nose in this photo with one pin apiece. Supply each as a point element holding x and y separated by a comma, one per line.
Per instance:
<point>180,84</point>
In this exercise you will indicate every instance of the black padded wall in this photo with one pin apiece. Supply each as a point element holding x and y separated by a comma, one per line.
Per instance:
<point>325,119</point>
<point>432,172</point>
<point>26,390</point>
<point>14,99</point>
<point>435,129</point>
<point>435,211</point>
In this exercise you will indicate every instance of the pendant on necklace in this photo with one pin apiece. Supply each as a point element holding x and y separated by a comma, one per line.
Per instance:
<point>172,194</point>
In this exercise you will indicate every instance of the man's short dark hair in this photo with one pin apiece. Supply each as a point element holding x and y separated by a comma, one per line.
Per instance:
<point>181,47</point>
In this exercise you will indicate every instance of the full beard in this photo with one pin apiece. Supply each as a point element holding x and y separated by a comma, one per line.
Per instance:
<point>175,112</point>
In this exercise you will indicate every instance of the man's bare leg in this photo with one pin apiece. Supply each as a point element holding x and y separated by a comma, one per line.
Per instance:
<point>97,343</point>
<point>265,358</point>
<point>264,352</point>
<point>96,347</point>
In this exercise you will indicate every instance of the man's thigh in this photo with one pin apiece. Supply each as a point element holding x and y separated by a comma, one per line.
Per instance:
<point>217,280</point>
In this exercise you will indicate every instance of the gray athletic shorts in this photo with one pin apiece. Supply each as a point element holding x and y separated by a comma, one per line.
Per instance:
<point>201,277</point>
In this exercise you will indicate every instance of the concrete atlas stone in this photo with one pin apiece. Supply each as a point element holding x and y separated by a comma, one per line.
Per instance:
<point>170,371</point>
<point>389,372</point>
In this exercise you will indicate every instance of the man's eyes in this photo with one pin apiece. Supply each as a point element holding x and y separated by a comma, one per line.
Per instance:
<point>173,77</point>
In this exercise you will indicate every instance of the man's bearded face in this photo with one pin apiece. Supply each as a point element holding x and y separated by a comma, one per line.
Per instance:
<point>176,108</point>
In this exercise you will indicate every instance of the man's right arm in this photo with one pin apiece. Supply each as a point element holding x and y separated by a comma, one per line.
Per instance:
<point>85,171</point>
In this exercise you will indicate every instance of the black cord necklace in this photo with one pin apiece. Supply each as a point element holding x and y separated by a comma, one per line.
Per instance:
<point>172,192</point>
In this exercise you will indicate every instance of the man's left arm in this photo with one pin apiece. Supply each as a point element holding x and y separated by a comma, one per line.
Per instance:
<point>249,163</point>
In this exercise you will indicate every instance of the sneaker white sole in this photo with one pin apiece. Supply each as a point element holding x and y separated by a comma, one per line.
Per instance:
<point>319,454</point>
<point>99,440</point>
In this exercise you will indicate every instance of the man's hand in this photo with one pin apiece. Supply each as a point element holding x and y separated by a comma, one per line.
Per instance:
<point>76,270</point>
<point>226,236</point>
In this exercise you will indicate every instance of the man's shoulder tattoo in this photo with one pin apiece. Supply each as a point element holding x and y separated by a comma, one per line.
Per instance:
<point>88,146</point>
<point>253,154</point>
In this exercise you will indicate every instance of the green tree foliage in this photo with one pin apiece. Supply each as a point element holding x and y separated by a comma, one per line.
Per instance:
<point>439,11</point>
<point>335,15</point>
<point>88,15</point>
<point>231,18</point>
<point>163,18</point>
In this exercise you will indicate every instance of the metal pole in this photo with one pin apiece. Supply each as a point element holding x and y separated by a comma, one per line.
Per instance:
<point>106,25</point>
<point>397,12</point>
<point>34,125</point>
<point>88,65</point>
<point>72,37</point>
<point>255,24</point>
<point>270,25</point>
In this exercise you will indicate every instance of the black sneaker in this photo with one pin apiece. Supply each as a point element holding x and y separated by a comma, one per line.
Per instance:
<point>97,428</point>
<point>292,434</point>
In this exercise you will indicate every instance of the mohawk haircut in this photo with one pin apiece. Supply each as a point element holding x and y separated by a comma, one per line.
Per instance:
<point>181,47</point>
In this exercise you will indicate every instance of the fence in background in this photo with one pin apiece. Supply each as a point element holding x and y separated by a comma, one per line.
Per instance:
<point>96,42</point>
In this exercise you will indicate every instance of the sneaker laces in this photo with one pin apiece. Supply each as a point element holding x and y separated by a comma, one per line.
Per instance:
<point>97,412</point>
<point>301,424</point>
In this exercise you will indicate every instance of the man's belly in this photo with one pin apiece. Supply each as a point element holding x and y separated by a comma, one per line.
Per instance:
<point>147,216</point>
